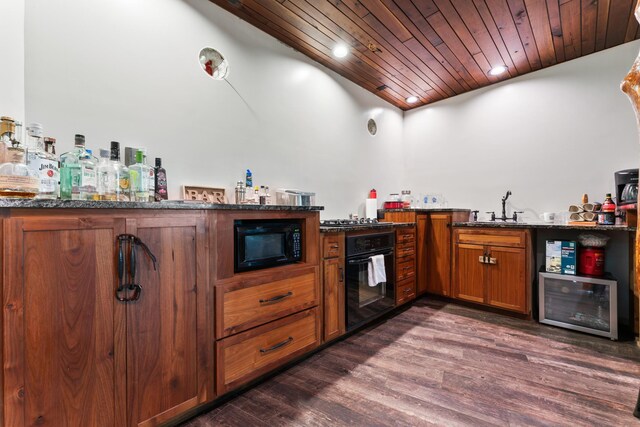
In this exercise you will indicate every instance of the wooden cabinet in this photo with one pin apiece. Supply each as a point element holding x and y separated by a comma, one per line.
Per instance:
<point>267,317</point>
<point>492,267</point>
<point>438,243</point>
<point>73,353</point>
<point>422,254</point>
<point>333,286</point>
<point>405,264</point>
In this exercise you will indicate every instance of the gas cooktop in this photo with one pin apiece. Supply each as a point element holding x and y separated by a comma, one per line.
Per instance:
<point>350,223</point>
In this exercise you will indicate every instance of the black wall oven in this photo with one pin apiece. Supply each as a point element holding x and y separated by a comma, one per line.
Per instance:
<point>266,243</point>
<point>366,301</point>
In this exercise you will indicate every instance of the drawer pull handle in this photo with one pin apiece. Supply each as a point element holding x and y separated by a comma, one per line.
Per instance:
<point>336,246</point>
<point>493,260</point>
<point>341,274</point>
<point>276,298</point>
<point>406,268</point>
<point>406,291</point>
<point>276,346</point>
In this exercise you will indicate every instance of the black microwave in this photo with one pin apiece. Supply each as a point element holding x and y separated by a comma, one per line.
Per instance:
<point>266,243</point>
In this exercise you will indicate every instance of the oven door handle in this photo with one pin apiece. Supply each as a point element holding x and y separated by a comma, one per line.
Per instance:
<point>363,260</point>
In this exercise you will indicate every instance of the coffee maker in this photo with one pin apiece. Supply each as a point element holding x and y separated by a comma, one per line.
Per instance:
<point>626,187</point>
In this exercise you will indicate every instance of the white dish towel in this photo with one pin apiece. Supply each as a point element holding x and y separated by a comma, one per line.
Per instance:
<point>377,273</point>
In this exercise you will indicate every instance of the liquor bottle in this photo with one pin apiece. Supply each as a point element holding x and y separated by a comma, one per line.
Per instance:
<point>7,130</point>
<point>138,177</point>
<point>77,172</point>
<point>88,176</point>
<point>16,180</point>
<point>267,196</point>
<point>151,179</point>
<point>161,181</point>
<point>42,164</point>
<point>107,178</point>
<point>50,149</point>
<point>607,214</point>
<point>123,185</point>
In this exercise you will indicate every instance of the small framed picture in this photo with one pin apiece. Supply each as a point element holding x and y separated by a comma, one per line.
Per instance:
<point>204,194</point>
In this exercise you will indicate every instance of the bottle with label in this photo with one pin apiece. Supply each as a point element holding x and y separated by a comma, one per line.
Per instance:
<point>249,179</point>
<point>42,164</point>
<point>16,180</point>
<point>107,177</point>
<point>607,214</point>
<point>150,179</point>
<point>138,176</point>
<point>89,176</point>
<point>267,196</point>
<point>76,166</point>
<point>123,183</point>
<point>161,181</point>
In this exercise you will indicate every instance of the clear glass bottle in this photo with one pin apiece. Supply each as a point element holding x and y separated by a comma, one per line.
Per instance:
<point>71,172</point>
<point>138,177</point>
<point>42,164</point>
<point>88,176</point>
<point>16,180</point>
<point>107,178</point>
<point>123,183</point>
<point>151,179</point>
<point>267,196</point>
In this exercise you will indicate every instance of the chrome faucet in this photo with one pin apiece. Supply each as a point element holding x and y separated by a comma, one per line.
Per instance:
<point>504,202</point>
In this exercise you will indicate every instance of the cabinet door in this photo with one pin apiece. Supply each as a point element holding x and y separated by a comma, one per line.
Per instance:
<point>506,281</point>
<point>63,329</point>
<point>469,273</point>
<point>169,341</point>
<point>422,252</point>
<point>334,305</point>
<point>439,258</point>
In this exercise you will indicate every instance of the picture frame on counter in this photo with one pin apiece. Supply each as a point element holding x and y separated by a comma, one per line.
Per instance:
<point>204,194</point>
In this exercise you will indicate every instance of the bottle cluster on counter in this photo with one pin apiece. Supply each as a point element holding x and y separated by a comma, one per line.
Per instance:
<point>246,193</point>
<point>35,171</point>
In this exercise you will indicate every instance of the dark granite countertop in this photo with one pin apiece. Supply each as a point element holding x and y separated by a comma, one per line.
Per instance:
<point>542,225</point>
<point>364,227</point>
<point>169,204</point>
<point>425,210</point>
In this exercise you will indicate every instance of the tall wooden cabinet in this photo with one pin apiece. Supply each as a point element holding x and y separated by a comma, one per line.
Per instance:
<point>438,243</point>
<point>74,354</point>
<point>493,267</point>
<point>333,285</point>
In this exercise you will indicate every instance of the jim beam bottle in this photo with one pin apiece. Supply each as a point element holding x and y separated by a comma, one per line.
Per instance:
<point>42,164</point>
<point>16,180</point>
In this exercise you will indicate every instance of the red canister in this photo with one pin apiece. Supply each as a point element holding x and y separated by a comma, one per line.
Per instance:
<point>591,261</point>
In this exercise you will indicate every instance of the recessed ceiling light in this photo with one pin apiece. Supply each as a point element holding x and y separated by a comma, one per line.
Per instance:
<point>412,99</point>
<point>340,51</point>
<point>497,70</point>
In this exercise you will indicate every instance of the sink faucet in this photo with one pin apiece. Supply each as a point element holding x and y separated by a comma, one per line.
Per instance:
<point>504,202</point>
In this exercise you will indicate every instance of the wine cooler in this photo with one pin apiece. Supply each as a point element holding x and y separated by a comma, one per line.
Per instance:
<point>585,304</point>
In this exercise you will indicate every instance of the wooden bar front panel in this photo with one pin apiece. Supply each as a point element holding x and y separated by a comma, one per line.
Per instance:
<point>63,329</point>
<point>168,348</point>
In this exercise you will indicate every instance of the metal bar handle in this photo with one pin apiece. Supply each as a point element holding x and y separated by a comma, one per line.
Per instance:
<point>363,260</point>
<point>276,298</point>
<point>276,346</point>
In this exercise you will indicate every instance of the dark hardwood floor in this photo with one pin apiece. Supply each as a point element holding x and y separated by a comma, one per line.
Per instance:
<point>444,364</point>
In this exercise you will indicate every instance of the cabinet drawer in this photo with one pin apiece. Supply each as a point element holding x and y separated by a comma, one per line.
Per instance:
<point>333,245</point>
<point>243,305</point>
<point>405,291</point>
<point>405,235</point>
<point>405,250</point>
<point>509,238</point>
<point>405,268</point>
<point>248,355</point>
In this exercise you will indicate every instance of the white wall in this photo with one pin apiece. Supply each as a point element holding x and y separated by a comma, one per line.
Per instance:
<point>548,136</point>
<point>127,70</point>
<point>12,68</point>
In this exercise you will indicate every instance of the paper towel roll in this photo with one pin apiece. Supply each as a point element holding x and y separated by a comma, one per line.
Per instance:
<point>371,208</point>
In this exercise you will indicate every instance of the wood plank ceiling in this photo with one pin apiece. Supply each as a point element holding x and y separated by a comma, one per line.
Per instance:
<point>435,49</point>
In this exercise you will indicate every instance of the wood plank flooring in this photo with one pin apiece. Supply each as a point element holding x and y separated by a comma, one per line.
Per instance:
<point>439,363</point>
